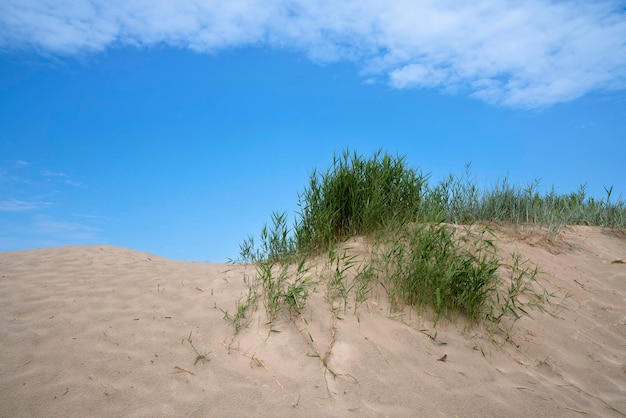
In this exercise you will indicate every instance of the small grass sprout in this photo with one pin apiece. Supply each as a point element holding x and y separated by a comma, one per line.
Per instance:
<point>203,357</point>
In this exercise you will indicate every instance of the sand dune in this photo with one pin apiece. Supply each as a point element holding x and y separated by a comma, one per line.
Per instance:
<point>100,331</point>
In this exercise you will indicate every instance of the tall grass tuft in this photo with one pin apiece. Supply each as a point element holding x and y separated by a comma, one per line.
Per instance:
<point>357,196</point>
<point>431,265</point>
<point>525,205</point>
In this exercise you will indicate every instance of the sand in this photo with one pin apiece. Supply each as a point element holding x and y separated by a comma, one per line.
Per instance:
<point>103,331</point>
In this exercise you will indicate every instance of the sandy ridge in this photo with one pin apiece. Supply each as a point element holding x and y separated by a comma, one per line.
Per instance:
<point>99,330</point>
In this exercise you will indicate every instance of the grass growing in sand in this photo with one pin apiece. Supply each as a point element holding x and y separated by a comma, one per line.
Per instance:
<point>431,265</point>
<point>431,246</point>
<point>203,357</point>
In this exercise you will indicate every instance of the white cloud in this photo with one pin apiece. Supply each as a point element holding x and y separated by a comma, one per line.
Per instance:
<point>49,173</point>
<point>60,176</point>
<point>420,76</point>
<point>16,205</point>
<point>522,54</point>
<point>44,231</point>
<point>50,227</point>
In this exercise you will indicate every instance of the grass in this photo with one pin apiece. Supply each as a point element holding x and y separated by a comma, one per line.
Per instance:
<point>242,317</point>
<point>356,196</point>
<point>280,290</point>
<point>347,277</point>
<point>426,250</point>
<point>511,299</point>
<point>463,202</point>
<point>427,264</point>
<point>203,357</point>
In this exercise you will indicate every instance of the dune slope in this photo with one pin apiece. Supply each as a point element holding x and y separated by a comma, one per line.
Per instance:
<point>107,331</point>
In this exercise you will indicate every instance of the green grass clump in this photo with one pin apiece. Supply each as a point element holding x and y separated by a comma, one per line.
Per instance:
<point>347,277</point>
<point>461,200</point>
<point>357,196</point>
<point>527,206</point>
<point>418,256</point>
<point>429,265</point>
<point>280,290</point>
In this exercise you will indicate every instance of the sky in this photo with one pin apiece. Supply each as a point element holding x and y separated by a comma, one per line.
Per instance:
<point>177,128</point>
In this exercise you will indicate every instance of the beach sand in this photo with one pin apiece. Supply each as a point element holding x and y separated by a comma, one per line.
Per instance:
<point>104,331</point>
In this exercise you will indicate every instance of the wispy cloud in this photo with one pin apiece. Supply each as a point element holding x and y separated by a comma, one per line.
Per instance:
<point>71,231</point>
<point>45,231</point>
<point>35,213</point>
<point>23,189</point>
<point>60,176</point>
<point>16,205</point>
<point>522,54</point>
<point>48,173</point>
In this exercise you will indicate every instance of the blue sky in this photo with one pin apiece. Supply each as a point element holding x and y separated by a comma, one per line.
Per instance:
<point>179,130</point>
